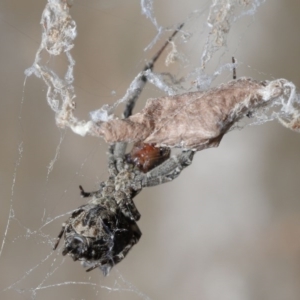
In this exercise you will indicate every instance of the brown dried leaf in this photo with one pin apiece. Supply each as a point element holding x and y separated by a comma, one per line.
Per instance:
<point>196,120</point>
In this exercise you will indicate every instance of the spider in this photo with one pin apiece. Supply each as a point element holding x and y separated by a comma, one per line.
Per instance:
<point>102,232</point>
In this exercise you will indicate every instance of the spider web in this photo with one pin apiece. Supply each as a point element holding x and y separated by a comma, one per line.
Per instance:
<point>228,227</point>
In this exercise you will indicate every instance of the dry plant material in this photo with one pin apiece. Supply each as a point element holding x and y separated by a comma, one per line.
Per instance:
<point>196,120</point>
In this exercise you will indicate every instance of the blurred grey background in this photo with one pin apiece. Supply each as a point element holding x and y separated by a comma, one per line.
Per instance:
<point>227,228</point>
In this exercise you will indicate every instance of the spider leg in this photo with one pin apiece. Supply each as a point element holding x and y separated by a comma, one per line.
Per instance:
<point>130,103</point>
<point>93,268</point>
<point>112,168</point>
<point>59,236</point>
<point>133,94</point>
<point>85,194</point>
<point>119,152</point>
<point>126,204</point>
<point>169,170</point>
<point>234,68</point>
<point>129,209</point>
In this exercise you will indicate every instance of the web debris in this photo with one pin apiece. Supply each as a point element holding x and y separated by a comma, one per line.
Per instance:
<point>221,16</point>
<point>59,33</point>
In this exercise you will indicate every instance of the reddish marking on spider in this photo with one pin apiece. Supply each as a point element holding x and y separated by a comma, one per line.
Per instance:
<point>147,156</point>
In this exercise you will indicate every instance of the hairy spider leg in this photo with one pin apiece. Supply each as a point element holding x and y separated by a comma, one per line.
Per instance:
<point>169,170</point>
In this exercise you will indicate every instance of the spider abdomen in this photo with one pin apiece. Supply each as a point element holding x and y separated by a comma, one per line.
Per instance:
<point>99,236</point>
